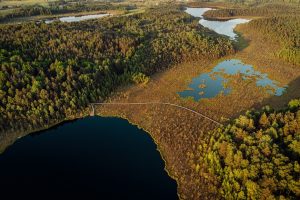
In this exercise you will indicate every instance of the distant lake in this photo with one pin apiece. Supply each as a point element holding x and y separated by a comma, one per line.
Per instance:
<point>209,85</point>
<point>77,19</point>
<point>221,27</point>
<point>91,158</point>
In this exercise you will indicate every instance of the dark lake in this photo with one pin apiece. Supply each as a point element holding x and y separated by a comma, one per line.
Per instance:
<point>91,158</point>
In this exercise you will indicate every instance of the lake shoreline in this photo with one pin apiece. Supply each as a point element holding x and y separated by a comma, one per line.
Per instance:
<point>167,166</point>
<point>57,16</point>
<point>255,57</point>
<point>111,119</point>
<point>70,120</point>
<point>155,142</point>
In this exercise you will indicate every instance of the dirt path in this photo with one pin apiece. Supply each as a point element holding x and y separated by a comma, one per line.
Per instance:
<point>161,103</point>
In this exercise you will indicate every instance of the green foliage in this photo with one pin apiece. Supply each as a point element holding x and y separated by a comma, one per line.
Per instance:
<point>257,161</point>
<point>269,10</point>
<point>280,24</point>
<point>62,8</point>
<point>285,30</point>
<point>294,104</point>
<point>140,78</point>
<point>50,72</point>
<point>291,54</point>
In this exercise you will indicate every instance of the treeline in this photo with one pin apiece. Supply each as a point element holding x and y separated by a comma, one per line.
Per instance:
<point>256,2</point>
<point>284,30</point>
<point>38,10</point>
<point>256,156</point>
<point>27,12</point>
<point>280,24</point>
<point>51,72</point>
<point>257,10</point>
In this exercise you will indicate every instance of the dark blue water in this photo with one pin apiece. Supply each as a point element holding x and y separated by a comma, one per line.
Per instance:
<point>92,158</point>
<point>209,85</point>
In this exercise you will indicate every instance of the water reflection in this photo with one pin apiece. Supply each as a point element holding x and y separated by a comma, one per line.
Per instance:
<point>221,27</point>
<point>209,85</point>
<point>77,19</point>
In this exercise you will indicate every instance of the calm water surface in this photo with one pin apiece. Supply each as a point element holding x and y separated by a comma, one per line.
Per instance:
<point>77,19</point>
<point>209,85</point>
<point>92,158</point>
<point>221,27</point>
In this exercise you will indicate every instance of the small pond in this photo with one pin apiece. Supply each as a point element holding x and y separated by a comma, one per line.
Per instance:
<point>221,27</point>
<point>211,84</point>
<point>77,19</point>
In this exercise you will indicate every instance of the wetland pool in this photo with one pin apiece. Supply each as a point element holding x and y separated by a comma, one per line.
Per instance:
<point>213,83</point>
<point>76,18</point>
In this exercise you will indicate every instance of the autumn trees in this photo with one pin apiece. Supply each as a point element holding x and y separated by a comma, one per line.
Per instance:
<point>278,23</point>
<point>256,156</point>
<point>283,29</point>
<point>51,72</point>
<point>259,9</point>
<point>56,8</point>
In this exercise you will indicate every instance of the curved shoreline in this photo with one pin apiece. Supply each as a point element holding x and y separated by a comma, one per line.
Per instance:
<point>162,103</point>
<point>27,133</point>
<point>86,114</point>
<point>155,142</point>
<point>129,121</point>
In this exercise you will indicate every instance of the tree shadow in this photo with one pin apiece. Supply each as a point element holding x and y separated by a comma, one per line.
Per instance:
<point>278,102</point>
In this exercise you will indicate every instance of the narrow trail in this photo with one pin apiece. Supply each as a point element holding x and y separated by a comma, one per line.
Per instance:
<point>159,103</point>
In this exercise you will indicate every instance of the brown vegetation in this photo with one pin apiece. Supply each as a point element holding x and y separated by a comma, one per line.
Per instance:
<point>178,133</point>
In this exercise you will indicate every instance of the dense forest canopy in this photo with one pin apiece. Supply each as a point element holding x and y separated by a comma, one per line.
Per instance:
<point>250,2</point>
<point>284,30</point>
<point>256,156</point>
<point>50,72</point>
<point>260,10</point>
<point>55,8</point>
<point>279,23</point>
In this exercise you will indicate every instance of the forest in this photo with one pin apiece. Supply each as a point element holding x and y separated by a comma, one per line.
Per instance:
<point>245,2</point>
<point>266,10</point>
<point>280,24</point>
<point>54,9</point>
<point>284,30</point>
<point>51,72</point>
<point>256,156</point>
